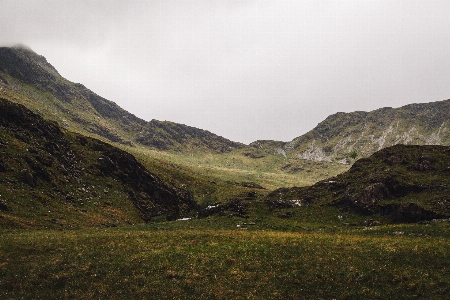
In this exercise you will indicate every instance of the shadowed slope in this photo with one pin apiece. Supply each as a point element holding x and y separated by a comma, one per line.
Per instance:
<point>50,177</point>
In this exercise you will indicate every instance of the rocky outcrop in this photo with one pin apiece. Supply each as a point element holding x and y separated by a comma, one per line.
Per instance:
<point>403,183</point>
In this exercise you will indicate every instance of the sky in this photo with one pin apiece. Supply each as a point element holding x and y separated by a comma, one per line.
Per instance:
<point>243,69</point>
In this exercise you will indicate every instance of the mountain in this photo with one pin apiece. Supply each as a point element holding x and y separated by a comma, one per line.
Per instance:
<point>342,137</point>
<point>359,134</point>
<point>50,177</point>
<point>402,183</point>
<point>27,78</point>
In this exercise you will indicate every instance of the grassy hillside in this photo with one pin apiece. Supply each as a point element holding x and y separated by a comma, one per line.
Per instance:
<point>328,231</point>
<point>54,178</point>
<point>271,171</point>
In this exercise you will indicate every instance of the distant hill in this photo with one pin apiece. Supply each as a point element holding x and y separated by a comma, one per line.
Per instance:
<point>51,177</point>
<point>343,137</point>
<point>27,78</point>
<point>167,135</point>
<point>401,183</point>
<point>359,134</point>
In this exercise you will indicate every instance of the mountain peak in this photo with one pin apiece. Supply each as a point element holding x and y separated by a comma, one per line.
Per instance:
<point>22,63</point>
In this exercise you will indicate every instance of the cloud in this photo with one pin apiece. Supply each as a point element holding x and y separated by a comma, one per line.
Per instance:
<point>244,69</point>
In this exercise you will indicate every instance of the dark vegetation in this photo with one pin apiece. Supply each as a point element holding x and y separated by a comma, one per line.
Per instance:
<point>166,135</point>
<point>47,171</point>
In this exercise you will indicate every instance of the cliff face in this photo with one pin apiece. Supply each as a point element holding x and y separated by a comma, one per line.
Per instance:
<point>359,134</point>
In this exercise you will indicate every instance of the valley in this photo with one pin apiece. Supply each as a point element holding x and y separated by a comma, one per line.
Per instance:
<point>98,203</point>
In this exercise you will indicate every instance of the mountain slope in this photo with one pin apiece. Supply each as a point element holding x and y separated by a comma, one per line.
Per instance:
<point>402,183</point>
<point>50,177</point>
<point>362,133</point>
<point>25,75</point>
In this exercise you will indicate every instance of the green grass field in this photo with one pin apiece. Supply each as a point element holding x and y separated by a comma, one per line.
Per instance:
<point>204,168</point>
<point>183,260</point>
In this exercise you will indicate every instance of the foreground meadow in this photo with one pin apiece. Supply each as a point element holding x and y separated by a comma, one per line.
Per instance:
<point>180,260</point>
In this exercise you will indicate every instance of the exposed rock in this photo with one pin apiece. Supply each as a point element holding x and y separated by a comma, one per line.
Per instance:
<point>366,132</point>
<point>374,193</point>
<point>371,222</point>
<point>314,153</point>
<point>60,165</point>
<point>411,213</point>
<point>3,205</point>
<point>426,163</point>
<point>404,183</point>
<point>234,207</point>
<point>279,204</point>
<point>27,178</point>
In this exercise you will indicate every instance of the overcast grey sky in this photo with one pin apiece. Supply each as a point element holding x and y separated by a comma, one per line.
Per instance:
<point>243,69</point>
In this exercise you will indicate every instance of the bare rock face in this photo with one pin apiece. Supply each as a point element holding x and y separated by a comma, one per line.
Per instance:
<point>314,153</point>
<point>408,213</point>
<point>149,194</point>
<point>374,193</point>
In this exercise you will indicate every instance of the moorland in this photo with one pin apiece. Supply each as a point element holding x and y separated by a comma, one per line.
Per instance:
<point>98,203</point>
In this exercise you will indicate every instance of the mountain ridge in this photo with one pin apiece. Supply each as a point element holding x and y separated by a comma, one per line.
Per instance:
<point>74,105</point>
<point>341,137</point>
